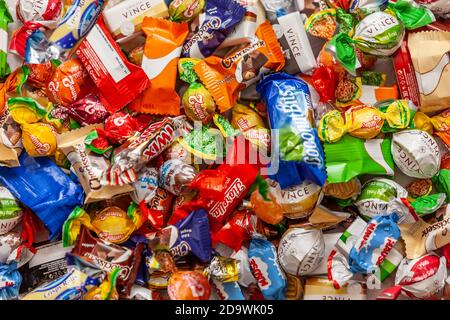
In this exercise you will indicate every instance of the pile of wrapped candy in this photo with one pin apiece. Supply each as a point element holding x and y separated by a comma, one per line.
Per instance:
<point>224,149</point>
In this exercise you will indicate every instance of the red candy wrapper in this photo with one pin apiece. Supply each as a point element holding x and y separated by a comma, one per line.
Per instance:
<point>325,80</point>
<point>235,231</point>
<point>88,110</point>
<point>119,127</point>
<point>226,186</point>
<point>19,38</point>
<point>118,80</point>
<point>158,209</point>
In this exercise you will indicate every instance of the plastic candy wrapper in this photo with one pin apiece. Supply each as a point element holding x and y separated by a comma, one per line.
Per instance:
<point>10,211</point>
<point>440,8</point>
<point>216,23</point>
<point>223,269</point>
<point>10,140</point>
<point>198,103</point>
<point>146,186</point>
<point>118,80</point>
<point>300,251</point>
<point>243,67</point>
<point>53,190</point>
<point>368,33</point>
<point>185,10</point>
<point>139,149</point>
<point>235,231</point>
<point>70,30</point>
<point>161,53</point>
<point>202,144</point>
<point>88,167</point>
<point>421,237</point>
<point>86,111</point>
<point>265,205</point>
<point>5,19</point>
<point>266,268</point>
<point>379,237</point>
<point>175,176</point>
<point>188,285</point>
<point>48,13</point>
<point>125,24</point>
<point>250,123</point>
<point>420,278</point>
<point>343,190</point>
<point>112,224</point>
<point>351,157</point>
<point>289,108</point>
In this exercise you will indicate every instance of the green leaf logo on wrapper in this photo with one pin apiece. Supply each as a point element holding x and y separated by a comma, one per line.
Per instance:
<point>10,212</point>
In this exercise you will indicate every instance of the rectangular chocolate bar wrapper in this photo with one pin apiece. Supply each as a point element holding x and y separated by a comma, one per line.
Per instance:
<point>430,55</point>
<point>124,20</point>
<point>323,289</point>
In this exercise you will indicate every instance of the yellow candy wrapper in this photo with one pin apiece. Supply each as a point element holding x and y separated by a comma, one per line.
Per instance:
<point>364,122</point>
<point>249,122</point>
<point>111,224</point>
<point>423,122</point>
<point>39,139</point>
<point>107,290</point>
<point>441,122</point>
<point>331,127</point>
<point>398,114</point>
<point>26,110</point>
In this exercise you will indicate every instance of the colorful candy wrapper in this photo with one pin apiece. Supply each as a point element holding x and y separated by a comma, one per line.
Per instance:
<point>363,122</point>
<point>10,211</point>
<point>202,143</point>
<point>228,290</point>
<point>10,281</point>
<point>139,149</point>
<point>246,28</point>
<point>198,103</point>
<point>440,8</point>
<point>351,157</point>
<point>428,204</point>
<point>124,20</point>
<point>219,19</point>
<point>119,127</point>
<point>76,23</point>
<point>223,269</point>
<point>185,10</point>
<point>88,167</point>
<point>161,54</point>
<point>70,286</point>
<point>377,240</point>
<point>47,13</point>
<point>175,176</point>
<point>53,191</point>
<point>235,231</point>
<point>157,208</point>
<point>39,139</point>
<point>5,19</point>
<point>380,33</point>
<point>250,123</point>
<point>106,290</point>
<point>118,80</point>
<point>420,278</point>
<point>266,269</point>
<point>289,108</point>
<point>10,140</point>
<point>324,80</point>
<point>376,195</point>
<point>225,77</point>
<point>146,185</point>
<point>69,82</point>
<point>188,285</point>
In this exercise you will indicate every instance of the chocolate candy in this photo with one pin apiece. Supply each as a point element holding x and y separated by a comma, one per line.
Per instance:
<point>188,285</point>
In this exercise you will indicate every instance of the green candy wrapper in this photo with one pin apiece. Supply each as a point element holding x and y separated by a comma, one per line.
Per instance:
<point>5,19</point>
<point>202,143</point>
<point>225,126</point>
<point>442,182</point>
<point>428,204</point>
<point>351,157</point>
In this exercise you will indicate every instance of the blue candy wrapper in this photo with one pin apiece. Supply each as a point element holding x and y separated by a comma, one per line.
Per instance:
<point>299,153</point>
<point>193,236</point>
<point>44,188</point>
<point>10,281</point>
<point>374,244</point>
<point>264,264</point>
<point>218,21</point>
<point>228,290</point>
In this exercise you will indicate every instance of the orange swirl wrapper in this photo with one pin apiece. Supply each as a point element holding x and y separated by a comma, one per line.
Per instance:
<point>161,54</point>
<point>226,77</point>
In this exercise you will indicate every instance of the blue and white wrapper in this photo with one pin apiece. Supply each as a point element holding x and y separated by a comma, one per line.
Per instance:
<point>228,290</point>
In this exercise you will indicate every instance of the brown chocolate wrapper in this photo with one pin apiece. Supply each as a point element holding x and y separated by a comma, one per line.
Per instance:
<point>430,54</point>
<point>107,256</point>
<point>10,141</point>
<point>323,218</point>
<point>88,167</point>
<point>421,237</point>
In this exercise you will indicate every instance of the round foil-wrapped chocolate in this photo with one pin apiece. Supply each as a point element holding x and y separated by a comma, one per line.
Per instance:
<point>8,243</point>
<point>300,251</point>
<point>88,110</point>
<point>47,12</point>
<point>297,201</point>
<point>198,103</point>
<point>175,176</point>
<point>343,190</point>
<point>416,153</point>
<point>376,195</point>
<point>10,211</point>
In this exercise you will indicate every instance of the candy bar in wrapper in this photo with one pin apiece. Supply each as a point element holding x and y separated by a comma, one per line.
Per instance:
<point>143,147</point>
<point>88,167</point>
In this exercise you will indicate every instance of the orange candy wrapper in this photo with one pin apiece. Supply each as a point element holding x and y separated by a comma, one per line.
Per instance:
<point>226,77</point>
<point>161,54</point>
